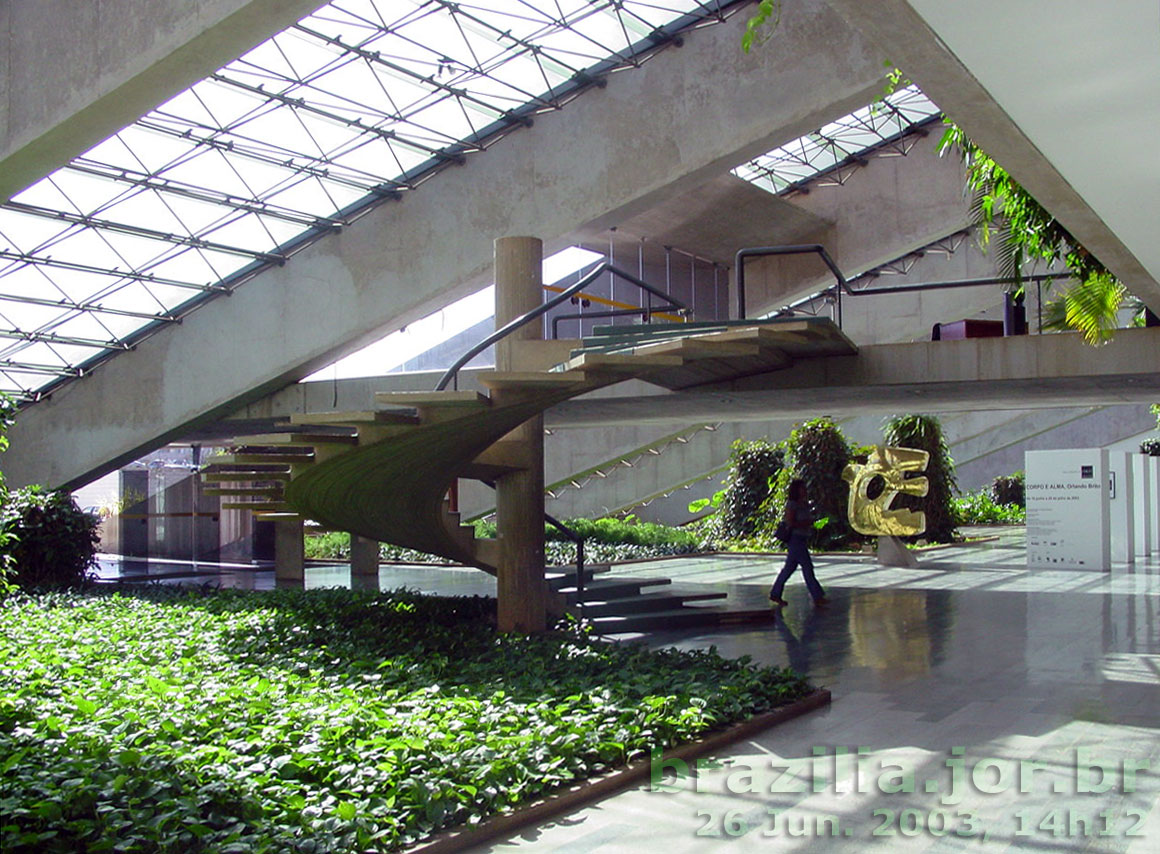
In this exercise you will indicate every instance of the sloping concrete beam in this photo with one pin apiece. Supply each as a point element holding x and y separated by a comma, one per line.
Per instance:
<point>686,115</point>
<point>73,74</point>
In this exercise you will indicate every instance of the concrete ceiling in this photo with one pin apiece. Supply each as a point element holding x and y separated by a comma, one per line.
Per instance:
<point>1066,95</point>
<point>1082,81</point>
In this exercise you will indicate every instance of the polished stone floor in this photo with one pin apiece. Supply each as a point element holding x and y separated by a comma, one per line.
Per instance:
<point>976,707</point>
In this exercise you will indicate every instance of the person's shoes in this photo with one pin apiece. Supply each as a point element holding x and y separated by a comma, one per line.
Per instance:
<point>821,601</point>
<point>777,601</point>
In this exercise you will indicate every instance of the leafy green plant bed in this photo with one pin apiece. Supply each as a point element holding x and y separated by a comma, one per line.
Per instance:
<point>606,540</point>
<point>980,508</point>
<point>230,721</point>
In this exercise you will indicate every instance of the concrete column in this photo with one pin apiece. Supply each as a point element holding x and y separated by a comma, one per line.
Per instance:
<point>1123,511</point>
<point>364,563</point>
<point>1155,517</point>
<point>521,589</point>
<point>1145,508</point>
<point>289,554</point>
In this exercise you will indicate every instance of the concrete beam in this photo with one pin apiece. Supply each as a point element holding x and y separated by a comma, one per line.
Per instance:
<point>1021,372</point>
<point>714,108</point>
<point>1069,132</point>
<point>73,74</point>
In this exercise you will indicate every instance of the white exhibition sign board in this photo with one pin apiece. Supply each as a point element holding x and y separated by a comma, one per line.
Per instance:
<point>1068,513</point>
<point>1146,508</point>
<point>1122,508</point>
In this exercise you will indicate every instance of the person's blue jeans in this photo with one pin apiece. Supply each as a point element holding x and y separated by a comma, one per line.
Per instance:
<point>797,554</point>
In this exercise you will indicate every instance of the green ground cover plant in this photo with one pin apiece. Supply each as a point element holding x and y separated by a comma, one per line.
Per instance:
<point>606,539</point>
<point>980,508</point>
<point>181,720</point>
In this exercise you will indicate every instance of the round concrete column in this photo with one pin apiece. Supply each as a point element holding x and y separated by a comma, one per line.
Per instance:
<point>520,587</point>
<point>518,290</point>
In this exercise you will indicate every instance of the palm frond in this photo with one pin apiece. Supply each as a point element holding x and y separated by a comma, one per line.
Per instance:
<point>1090,307</point>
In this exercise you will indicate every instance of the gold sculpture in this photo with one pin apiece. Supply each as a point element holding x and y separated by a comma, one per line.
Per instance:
<point>873,516</point>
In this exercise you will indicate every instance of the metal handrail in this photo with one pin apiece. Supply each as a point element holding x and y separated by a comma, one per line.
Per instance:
<point>795,249</point>
<point>579,541</point>
<point>843,284</point>
<point>452,373</point>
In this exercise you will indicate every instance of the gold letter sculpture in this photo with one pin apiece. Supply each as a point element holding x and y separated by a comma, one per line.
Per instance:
<point>873,516</point>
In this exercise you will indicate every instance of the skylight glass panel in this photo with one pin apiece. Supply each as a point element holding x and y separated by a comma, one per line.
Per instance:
<point>361,96</point>
<point>836,143</point>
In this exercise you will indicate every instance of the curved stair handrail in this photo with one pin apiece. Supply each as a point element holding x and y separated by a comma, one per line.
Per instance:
<point>507,329</point>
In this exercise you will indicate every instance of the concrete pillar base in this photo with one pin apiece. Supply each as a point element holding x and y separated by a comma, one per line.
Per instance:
<point>891,552</point>
<point>364,563</point>
<point>289,555</point>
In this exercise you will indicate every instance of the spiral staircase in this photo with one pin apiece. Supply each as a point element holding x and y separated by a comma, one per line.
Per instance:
<point>384,474</point>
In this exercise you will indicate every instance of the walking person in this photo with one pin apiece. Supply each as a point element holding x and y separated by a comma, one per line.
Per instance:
<point>799,518</point>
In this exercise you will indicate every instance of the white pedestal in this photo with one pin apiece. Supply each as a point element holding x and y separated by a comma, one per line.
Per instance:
<point>891,552</point>
<point>1145,503</point>
<point>1122,508</point>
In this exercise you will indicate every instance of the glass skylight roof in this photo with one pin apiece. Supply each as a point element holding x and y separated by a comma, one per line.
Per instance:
<point>885,122</point>
<point>361,101</point>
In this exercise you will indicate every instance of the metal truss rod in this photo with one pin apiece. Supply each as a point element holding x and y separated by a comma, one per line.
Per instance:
<point>358,124</point>
<point>139,231</point>
<point>86,307</point>
<point>322,172</point>
<point>46,261</point>
<point>861,157</point>
<point>168,186</point>
<point>53,338</point>
<point>376,57</point>
<point>29,368</point>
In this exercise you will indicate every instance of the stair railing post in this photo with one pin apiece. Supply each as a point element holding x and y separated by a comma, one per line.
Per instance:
<point>580,577</point>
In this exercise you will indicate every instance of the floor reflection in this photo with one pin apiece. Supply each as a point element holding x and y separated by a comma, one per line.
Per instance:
<point>968,659</point>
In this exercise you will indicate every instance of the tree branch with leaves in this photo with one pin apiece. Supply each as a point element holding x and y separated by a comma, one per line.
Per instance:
<point>1024,233</point>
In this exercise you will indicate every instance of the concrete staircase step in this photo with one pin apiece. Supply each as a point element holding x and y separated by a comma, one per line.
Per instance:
<point>418,399</point>
<point>676,619</point>
<point>355,418</point>
<point>271,491</point>
<point>612,588</point>
<point>255,506</point>
<point>243,477</point>
<point>560,577</point>
<point>645,603</point>
<point>528,379</point>
<point>245,459</point>
<point>308,440</point>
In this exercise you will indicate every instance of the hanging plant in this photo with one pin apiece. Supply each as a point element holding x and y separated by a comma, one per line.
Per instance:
<point>1025,233</point>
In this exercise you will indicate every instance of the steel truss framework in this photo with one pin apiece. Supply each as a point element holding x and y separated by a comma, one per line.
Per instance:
<point>355,105</point>
<point>829,155</point>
